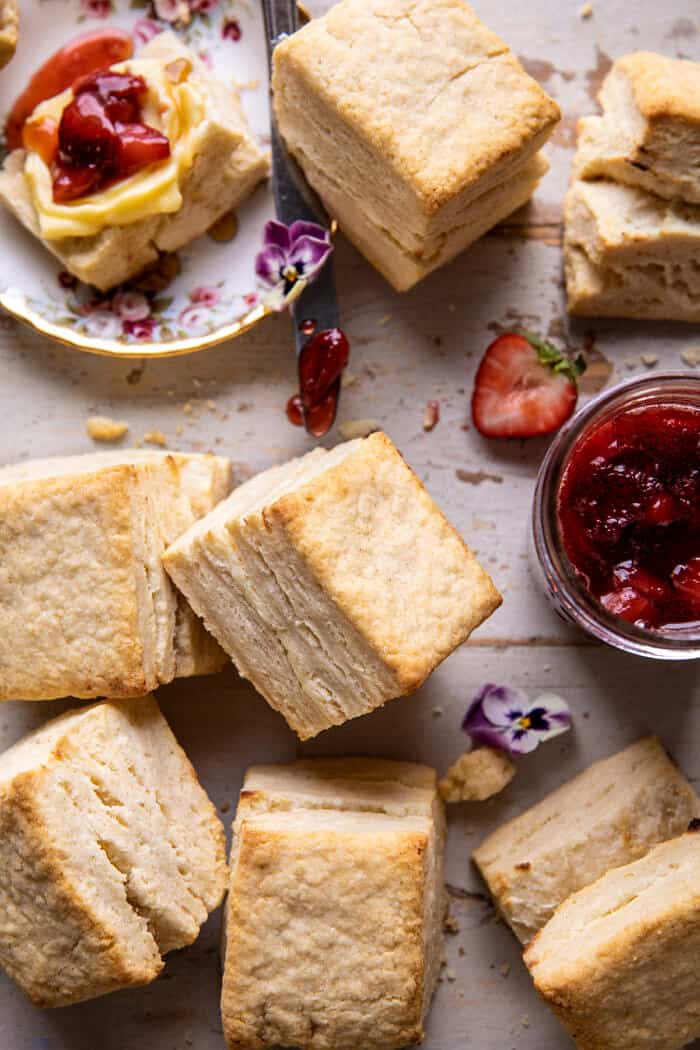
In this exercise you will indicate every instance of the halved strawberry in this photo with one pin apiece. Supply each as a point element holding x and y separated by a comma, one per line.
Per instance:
<point>524,387</point>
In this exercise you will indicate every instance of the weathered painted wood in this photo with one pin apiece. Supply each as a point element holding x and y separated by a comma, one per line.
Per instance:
<point>406,350</point>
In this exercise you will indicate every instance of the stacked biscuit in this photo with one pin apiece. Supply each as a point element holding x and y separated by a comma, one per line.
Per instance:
<point>415,124</point>
<point>632,214</point>
<point>599,880</point>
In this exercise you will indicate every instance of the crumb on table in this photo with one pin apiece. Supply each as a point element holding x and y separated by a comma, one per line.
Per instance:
<point>476,776</point>
<point>155,437</point>
<point>102,428</point>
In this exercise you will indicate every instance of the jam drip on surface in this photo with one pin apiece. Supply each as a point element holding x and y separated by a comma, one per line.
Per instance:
<point>321,363</point>
<point>629,514</point>
<point>100,137</point>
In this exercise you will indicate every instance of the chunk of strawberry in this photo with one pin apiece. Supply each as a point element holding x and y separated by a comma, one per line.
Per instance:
<point>93,50</point>
<point>72,183</point>
<point>139,146</point>
<point>321,362</point>
<point>86,135</point>
<point>629,604</point>
<point>523,387</point>
<point>629,574</point>
<point>662,510</point>
<point>686,581</point>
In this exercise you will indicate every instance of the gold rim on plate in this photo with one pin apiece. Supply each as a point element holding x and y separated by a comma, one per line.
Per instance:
<point>12,302</point>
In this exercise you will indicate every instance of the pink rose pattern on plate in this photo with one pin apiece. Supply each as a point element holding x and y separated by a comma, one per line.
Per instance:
<point>130,315</point>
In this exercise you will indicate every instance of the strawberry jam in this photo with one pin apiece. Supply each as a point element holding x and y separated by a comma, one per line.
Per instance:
<point>629,514</point>
<point>321,362</point>
<point>100,137</point>
<point>84,54</point>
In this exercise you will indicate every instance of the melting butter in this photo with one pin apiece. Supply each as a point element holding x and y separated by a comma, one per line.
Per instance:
<point>176,110</point>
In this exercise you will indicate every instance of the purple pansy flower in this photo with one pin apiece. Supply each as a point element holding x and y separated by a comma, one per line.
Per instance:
<point>291,257</point>
<point>503,717</point>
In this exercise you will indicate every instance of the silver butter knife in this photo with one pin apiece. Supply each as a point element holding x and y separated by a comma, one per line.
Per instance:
<point>294,198</point>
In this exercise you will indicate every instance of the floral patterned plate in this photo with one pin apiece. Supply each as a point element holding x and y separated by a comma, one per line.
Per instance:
<point>210,292</point>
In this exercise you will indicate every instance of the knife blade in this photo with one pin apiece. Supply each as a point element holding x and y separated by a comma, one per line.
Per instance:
<point>294,198</point>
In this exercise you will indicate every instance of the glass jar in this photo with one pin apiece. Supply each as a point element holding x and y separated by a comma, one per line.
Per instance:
<point>565,589</point>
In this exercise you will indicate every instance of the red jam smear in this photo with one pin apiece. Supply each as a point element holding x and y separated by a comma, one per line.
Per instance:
<point>85,54</point>
<point>629,514</point>
<point>321,362</point>
<point>100,138</point>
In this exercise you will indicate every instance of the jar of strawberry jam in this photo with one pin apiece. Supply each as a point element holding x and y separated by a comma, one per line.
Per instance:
<point>616,517</point>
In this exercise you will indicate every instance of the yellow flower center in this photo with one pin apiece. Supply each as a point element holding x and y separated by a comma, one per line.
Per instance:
<point>290,273</point>
<point>524,722</point>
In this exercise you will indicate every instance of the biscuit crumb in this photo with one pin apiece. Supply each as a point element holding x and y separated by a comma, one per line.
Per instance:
<point>586,11</point>
<point>437,711</point>
<point>691,356</point>
<point>504,969</point>
<point>385,319</point>
<point>155,437</point>
<point>476,776</point>
<point>358,428</point>
<point>650,360</point>
<point>631,362</point>
<point>450,925</point>
<point>450,975</point>
<point>525,1021</point>
<point>102,428</point>
<point>431,416</point>
<point>348,379</point>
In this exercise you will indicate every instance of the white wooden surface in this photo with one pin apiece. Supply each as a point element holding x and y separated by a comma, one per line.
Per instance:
<point>406,350</point>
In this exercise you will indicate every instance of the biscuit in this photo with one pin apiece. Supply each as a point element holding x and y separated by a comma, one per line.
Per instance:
<point>333,582</point>
<point>111,852</point>
<point>9,30</point>
<point>610,814</point>
<point>85,607</point>
<point>628,253</point>
<point>649,133</point>
<point>414,123</point>
<point>619,962</point>
<point>226,169</point>
<point>335,907</point>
